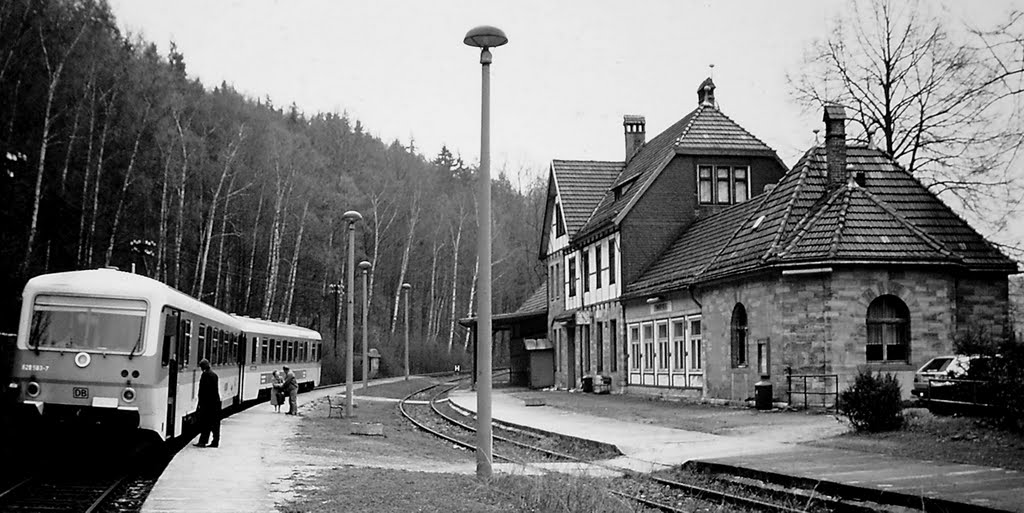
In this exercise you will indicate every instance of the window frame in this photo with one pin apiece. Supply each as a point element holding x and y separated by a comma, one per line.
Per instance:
<point>710,184</point>
<point>891,319</point>
<point>739,331</point>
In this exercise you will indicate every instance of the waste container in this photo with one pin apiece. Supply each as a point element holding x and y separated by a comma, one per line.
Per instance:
<point>763,394</point>
<point>588,384</point>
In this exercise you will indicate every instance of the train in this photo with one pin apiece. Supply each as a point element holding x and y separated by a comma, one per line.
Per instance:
<point>118,350</point>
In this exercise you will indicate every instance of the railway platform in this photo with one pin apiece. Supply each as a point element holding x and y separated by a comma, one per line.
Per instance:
<point>648,447</point>
<point>247,472</point>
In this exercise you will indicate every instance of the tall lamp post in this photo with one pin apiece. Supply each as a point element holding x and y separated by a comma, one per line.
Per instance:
<point>484,37</point>
<point>406,289</point>
<point>352,217</point>
<point>365,267</point>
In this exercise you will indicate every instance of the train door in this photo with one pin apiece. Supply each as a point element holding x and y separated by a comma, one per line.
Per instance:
<point>169,360</point>
<point>241,367</point>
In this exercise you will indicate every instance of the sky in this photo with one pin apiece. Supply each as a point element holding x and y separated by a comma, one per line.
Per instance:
<point>559,88</point>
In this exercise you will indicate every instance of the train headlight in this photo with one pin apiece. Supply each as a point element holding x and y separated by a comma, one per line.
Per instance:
<point>128,394</point>
<point>33,389</point>
<point>83,359</point>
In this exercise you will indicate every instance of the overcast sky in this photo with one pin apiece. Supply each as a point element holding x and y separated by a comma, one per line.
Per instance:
<point>559,88</point>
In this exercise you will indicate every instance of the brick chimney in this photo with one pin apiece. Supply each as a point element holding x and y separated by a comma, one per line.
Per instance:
<point>835,144</point>
<point>635,136</point>
<point>706,93</point>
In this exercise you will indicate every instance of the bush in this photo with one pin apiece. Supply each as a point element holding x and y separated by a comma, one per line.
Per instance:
<point>874,402</point>
<point>1004,370</point>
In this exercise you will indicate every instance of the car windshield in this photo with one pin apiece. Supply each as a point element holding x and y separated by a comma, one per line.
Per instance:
<point>936,365</point>
<point>87,324</point>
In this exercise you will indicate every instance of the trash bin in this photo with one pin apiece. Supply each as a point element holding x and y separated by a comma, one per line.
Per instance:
<point>763,394</point>
<point>588,384</point>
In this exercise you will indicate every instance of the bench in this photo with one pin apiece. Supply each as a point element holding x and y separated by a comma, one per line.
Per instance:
<point>335,405</point>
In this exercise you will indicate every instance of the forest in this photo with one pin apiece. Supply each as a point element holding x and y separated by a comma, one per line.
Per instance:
<point>112,155</point>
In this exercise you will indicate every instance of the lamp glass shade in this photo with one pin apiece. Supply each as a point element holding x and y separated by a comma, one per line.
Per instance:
<point>485,36</point>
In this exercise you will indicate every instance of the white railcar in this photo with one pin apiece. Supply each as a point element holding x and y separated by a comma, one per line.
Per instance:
<point>110,348</point>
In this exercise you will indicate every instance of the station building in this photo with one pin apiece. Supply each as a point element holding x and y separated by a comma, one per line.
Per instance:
<point>700,264</point>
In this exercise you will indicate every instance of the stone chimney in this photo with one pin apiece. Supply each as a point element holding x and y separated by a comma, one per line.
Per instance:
<point>635,135</point>
<point>835,144</point>
<point>706,94</point>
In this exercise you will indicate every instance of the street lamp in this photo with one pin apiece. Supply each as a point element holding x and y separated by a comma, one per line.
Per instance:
<point>406,289</point>
<point>365,267</point>
<point>484,37</point>
<point>352,217</point>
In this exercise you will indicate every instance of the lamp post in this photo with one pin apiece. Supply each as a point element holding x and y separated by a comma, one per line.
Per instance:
<point>484,37</point>
<point>406,289</point>
<point>365,267</point>
<point>352,217</point>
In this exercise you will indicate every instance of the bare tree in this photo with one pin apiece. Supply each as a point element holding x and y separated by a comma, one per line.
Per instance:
<point>941,101</point>
<point>54,70</point>
<point>207,235</point>
<point>414,214</point>
<point>293,271</point>
<point>124,188</point>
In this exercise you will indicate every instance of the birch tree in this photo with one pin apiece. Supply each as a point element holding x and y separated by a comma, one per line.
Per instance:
<point>54,71</point>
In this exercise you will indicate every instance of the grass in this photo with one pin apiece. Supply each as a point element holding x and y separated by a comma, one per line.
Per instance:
<point>955,439</point>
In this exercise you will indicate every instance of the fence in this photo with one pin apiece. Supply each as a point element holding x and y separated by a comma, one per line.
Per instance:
<point>825,386</point>
<point>960,393</point>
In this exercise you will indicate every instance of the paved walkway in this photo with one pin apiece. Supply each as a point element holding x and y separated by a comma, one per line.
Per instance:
<point>646,448</point>
<point>249,472</point>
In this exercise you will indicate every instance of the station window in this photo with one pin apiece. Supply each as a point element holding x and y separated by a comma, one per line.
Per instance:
<point>611,262</point>
<point>739,336</point>
<point>597,265</point>
<point>723,185</point>
<point>572,277</point>
<point>888,324</point>
<point>585,273</point>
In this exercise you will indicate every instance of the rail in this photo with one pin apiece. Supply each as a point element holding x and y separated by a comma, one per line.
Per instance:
<point>960,392</point>
<point>825,391</point>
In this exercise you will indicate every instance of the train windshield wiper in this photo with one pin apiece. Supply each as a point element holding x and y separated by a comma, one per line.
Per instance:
<point>138,342</point>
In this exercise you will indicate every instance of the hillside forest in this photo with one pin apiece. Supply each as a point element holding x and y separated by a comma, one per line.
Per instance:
<point>112,155</point>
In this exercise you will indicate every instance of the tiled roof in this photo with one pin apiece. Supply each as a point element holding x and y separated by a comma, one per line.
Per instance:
<point>705,131</point>
<point>582,184</point>
<point>892,219</point>
<point>536,303</point>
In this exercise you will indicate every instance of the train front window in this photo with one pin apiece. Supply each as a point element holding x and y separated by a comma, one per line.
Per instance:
<point>89,324</point>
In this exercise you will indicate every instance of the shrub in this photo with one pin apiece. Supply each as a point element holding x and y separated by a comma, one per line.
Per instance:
<point>873,403</point>
<point>1004,370</point>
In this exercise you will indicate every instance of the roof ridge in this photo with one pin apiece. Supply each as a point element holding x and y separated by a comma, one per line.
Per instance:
<point>810,219</point>
<point>803,174</point>
<point>928,239</point>
<point>689,124</point>
<point>838,237</point>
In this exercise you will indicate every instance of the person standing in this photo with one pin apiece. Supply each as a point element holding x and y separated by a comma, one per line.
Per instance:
<point>209,406</point>
<point>277,391</point>
<point>291,389</point>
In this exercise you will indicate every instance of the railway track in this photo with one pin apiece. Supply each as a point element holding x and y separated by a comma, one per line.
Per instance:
<point>62,493</point>
<point>677,490</point>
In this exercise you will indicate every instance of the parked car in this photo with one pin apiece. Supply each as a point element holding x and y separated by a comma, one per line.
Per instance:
<point>945,367</point>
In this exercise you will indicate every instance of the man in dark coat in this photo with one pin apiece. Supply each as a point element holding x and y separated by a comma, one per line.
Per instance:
<point>291,389</point>
<point>209,406</point>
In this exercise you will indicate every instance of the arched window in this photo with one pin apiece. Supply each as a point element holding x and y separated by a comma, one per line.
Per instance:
<point>888,330</point>
<point>738,336</point>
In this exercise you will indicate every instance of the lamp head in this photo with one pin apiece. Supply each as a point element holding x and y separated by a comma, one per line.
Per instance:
<point>365,266</point>
<point>406,286</point>
<point>352,216</point>
<point>485,36</point>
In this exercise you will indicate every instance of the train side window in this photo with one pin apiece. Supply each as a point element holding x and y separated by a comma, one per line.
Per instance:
<point>303,351</point>
<point>202,341</point>
<point>236,356</point>
<point>255,348</point>
<point>217,348</point>
<point>187,339</point>
<point>319,350</point>
<point>291,350</point>
<point>263,351</point>
<point>209,344</point>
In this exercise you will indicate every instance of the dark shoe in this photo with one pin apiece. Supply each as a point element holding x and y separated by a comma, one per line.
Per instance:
<point>213,446</point>
<point>199,445</point>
